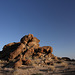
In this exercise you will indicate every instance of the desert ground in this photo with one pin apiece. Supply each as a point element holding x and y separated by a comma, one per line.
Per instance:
<point>58,68</point>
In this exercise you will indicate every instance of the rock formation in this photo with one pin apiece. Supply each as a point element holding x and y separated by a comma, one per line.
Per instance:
<point>27,52</point>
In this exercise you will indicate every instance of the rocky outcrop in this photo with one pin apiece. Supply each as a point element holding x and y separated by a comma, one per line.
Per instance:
<point>27,51</point>
<point>66,58</point>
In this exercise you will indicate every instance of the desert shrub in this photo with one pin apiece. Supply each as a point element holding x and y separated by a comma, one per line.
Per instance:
<point>64,64</point>
<point>59,62</point>
<point>51,68</point>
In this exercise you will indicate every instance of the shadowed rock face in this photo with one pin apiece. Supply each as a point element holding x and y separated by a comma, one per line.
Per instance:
<point>46,49</point>
<point>17,51</point>
<point>24,51</point>
<point>7,49</point>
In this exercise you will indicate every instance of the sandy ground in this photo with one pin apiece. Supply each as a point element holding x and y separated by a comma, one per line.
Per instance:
<point>56,69</point>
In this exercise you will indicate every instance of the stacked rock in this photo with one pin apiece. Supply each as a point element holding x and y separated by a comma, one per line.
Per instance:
<point>23,52</point>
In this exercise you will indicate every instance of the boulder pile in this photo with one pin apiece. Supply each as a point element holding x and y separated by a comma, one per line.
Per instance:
<point>27,52</point>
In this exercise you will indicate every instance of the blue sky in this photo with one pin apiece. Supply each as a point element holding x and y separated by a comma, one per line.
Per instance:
<point>51,21</point>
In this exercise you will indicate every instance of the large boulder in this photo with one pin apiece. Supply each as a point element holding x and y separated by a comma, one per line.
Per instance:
<point>27,38</point>
<point>35,40</point>
<point>28,53</point>
<point>16,52</point>
<point>9,48</point>
<point>33,44</point>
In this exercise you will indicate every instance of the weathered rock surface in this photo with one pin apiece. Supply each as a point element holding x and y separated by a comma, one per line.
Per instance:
<point>27,51</point>
<point>27,38</point>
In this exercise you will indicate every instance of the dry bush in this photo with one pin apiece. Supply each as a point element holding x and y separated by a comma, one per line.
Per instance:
<point>51,68</point>
<point>59,62</point>
<point>63,64</point>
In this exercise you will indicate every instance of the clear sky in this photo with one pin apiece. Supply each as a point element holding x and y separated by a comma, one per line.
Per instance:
<point>51,21</point>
